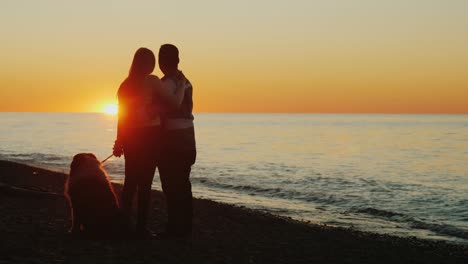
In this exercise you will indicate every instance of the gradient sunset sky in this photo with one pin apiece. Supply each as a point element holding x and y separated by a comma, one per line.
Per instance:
<point>337,56</point>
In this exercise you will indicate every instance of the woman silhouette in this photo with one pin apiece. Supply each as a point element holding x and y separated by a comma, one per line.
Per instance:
<point>139,135</point>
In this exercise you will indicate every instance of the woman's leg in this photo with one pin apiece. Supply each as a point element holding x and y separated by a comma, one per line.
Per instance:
<point>132,171</point>
<point>165,174</point>
<point>149,158</point>
<point>130,182</point>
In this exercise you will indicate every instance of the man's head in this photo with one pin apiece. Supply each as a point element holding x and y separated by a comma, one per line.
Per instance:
<point>168,58</point>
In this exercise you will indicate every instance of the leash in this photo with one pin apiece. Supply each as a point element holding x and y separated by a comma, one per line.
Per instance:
<point>110,156</point>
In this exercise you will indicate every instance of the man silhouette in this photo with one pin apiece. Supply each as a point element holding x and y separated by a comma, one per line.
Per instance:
<point>179,150</point>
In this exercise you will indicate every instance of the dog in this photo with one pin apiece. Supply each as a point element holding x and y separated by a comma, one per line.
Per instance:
<point>94,206</point>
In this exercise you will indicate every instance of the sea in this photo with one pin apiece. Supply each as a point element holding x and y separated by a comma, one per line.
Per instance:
<point>404,175</point>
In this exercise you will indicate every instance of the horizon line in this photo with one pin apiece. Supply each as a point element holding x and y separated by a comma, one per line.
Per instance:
<point>292,113</point>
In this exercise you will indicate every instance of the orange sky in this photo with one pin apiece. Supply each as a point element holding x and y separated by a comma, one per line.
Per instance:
<point>242,56</point>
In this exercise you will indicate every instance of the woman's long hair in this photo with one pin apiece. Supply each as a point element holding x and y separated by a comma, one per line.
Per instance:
<point>143,64</point>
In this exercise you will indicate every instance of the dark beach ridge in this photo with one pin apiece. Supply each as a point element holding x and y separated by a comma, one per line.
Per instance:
<point>35,218</point>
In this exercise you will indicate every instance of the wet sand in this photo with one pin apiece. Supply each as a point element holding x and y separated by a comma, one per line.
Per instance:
<point>35,218</point>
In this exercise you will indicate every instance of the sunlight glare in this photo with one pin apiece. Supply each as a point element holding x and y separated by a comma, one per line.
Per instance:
<point>111,109</point>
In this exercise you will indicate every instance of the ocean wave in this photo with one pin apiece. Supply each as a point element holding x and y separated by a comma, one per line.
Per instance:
<point>442,229</point>
<point>247,188</point>
<point>377,212</point>
<point>438,228</point>
<point>275,192</point>
<point>37,158</point>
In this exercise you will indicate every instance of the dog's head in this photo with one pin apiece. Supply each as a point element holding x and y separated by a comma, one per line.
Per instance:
<point>84,161</point>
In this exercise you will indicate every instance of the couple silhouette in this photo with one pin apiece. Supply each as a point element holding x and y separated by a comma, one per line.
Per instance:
<point>155,130</point>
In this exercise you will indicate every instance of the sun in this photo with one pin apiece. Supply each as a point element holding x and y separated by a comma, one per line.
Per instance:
<point>111,109</point>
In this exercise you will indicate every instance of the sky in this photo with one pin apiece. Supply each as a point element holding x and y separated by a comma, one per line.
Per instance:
<point>295,56</point>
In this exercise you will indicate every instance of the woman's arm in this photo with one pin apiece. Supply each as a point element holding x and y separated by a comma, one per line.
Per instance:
<point>119,123</point>
<point>170,92</point>
<point>118,144</point>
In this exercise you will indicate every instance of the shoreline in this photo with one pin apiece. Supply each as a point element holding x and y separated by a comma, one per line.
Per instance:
<point>34,219</point>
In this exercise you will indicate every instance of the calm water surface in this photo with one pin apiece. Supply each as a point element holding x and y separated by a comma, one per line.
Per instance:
<point>398,174</point>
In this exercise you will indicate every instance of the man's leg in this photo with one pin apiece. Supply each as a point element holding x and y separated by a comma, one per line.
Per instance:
<point>177,158</point>
<point>178,192</point>
<point>183,201</point>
